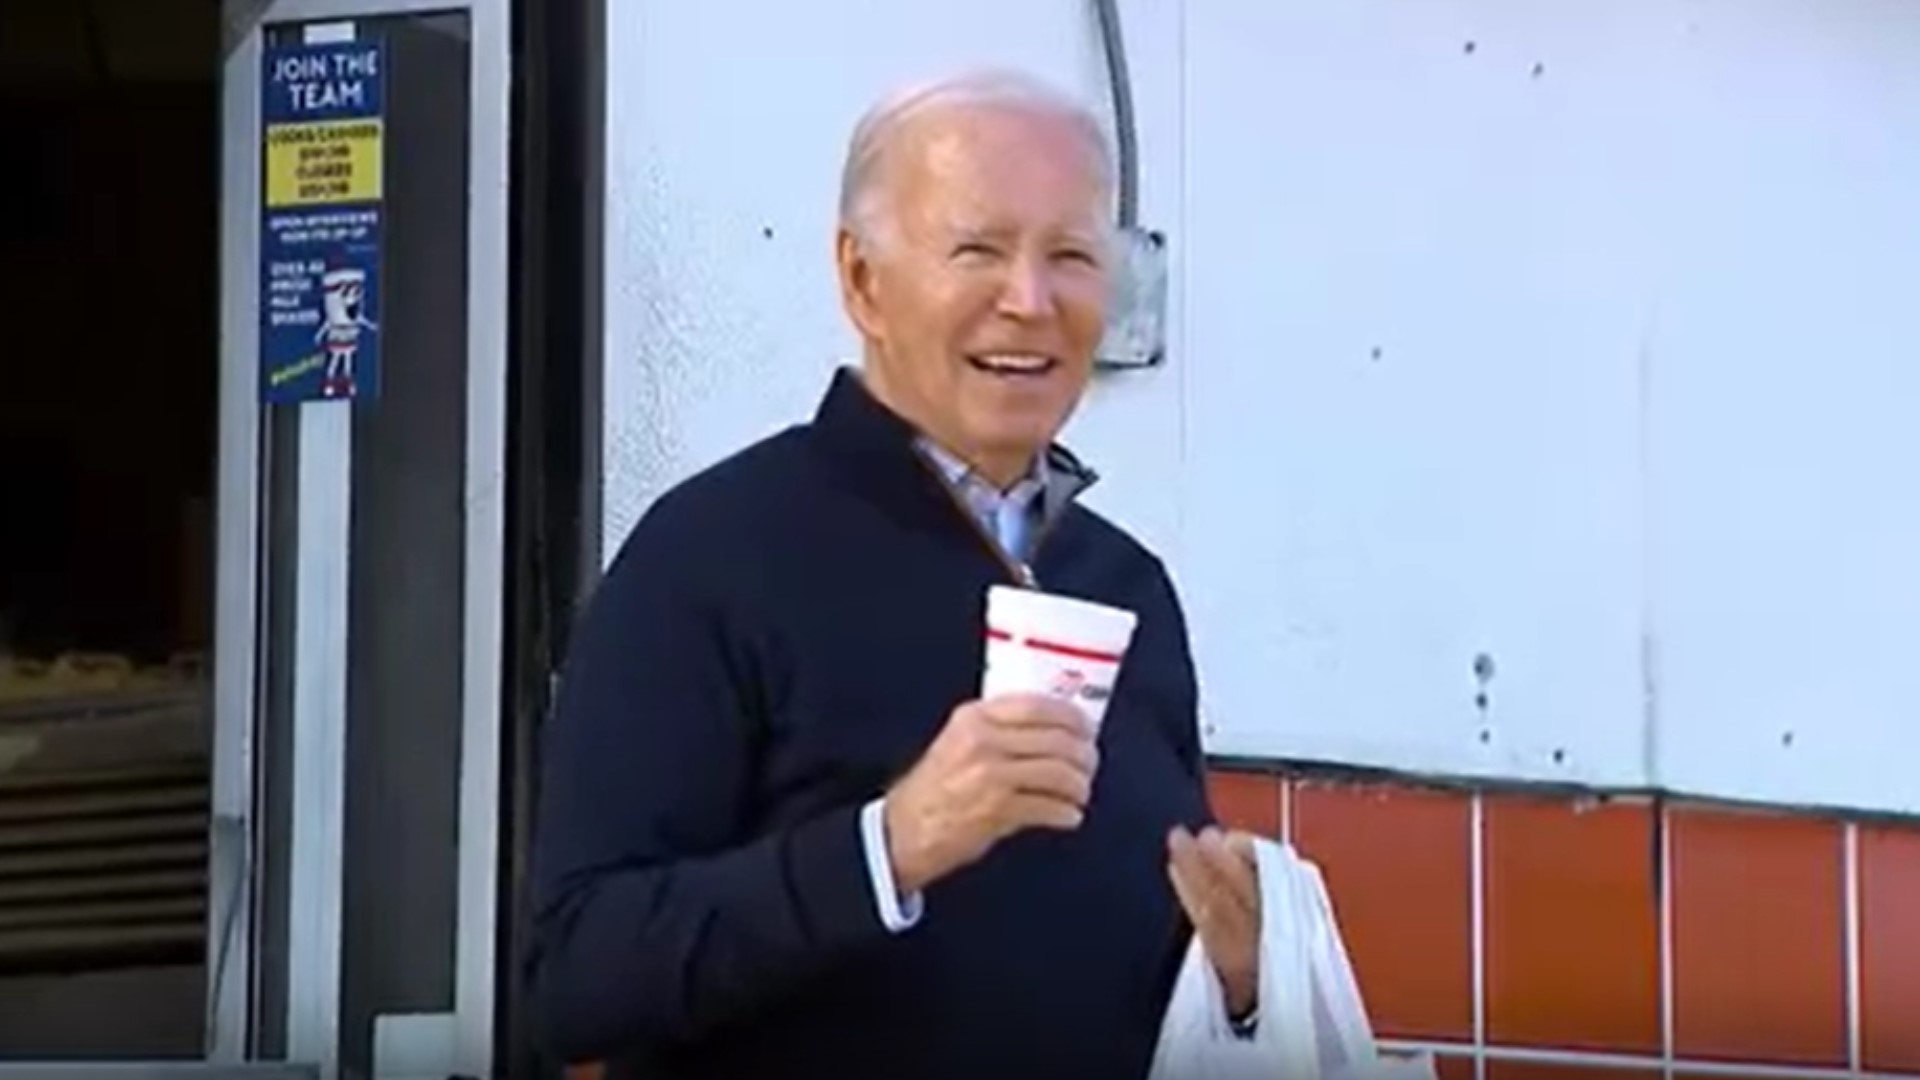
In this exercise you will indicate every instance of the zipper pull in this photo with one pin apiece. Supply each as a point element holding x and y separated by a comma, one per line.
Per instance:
<point>1027,576</point>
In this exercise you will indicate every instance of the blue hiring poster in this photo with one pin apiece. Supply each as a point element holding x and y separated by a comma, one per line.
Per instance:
<point>320,239</point>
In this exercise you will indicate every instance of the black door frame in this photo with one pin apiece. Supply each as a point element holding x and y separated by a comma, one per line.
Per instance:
<point>557,133</point>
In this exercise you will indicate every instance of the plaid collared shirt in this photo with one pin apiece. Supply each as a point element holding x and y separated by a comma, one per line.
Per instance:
<point>1010,516</point>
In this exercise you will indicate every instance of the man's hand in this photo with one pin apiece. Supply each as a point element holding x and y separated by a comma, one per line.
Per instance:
<point>1214,875</point>
<point>998,767</point>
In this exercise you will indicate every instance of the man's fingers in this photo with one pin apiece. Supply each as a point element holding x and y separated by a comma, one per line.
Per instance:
<point>1050,778</point>
<point>1048,742</point>
<point>1036,710</point>
<point>1203,872</point>
<point>1184,854</point>
<point>1241,844</point>
<point>1208,869</point>
<point>1046,812</point>
<point>1234,872</point>
<point>1195,882</point>
<point>1190,898</point>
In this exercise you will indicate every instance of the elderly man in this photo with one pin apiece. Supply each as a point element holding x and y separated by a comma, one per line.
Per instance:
<point>778,834</point>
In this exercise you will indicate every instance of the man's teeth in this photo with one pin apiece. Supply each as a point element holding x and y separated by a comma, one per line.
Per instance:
<point>1014,362</point>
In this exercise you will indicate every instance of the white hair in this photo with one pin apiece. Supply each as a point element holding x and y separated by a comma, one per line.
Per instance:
<point>861,202</point>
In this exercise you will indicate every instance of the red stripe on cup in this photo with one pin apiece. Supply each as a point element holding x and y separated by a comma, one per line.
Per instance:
<point>1058,648</point>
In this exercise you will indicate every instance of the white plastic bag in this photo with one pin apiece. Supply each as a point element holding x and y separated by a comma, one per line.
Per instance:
<point>1313,1023</point>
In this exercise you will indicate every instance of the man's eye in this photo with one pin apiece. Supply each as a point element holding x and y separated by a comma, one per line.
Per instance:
<point>973,249</point>
<point>1077,255</point>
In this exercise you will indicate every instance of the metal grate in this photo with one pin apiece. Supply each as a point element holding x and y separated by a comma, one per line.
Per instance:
<point>103,829</point>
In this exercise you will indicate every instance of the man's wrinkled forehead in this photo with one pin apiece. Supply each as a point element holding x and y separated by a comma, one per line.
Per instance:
<point>974,161</point>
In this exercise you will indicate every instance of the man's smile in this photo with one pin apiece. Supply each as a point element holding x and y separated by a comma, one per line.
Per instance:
<point>1013,365</point>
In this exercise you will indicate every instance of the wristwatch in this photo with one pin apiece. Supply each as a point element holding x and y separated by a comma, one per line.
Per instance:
<point>1243,1027</point>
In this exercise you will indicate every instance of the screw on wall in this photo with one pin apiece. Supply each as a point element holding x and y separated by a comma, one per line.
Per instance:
<point>766,231</point>
<point>1377,353</point>
<point>1468,48</point>
<point>1483,674</point>
<point>1539,70</point>
<point>1786,739</point>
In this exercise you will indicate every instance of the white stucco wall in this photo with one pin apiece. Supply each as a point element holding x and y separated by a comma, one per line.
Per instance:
<point>1579,337</point>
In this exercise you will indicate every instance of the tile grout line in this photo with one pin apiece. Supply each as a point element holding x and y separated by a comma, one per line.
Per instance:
<point>1599,1060</point>
<point>1668,1050</point>
<point>1851,884</point>
<point>1285,795</point>
<point>1477,916</point>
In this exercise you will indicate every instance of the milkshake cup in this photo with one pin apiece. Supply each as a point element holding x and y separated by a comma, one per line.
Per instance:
<point>1040,643</point>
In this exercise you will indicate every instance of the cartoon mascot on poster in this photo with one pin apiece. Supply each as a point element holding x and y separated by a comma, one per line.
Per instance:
<point>343,296</point>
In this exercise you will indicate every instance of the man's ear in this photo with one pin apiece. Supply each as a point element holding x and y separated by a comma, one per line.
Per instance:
<point>857,284</point>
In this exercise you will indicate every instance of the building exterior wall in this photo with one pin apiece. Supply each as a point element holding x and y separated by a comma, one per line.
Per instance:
<point>1532,417</point>
<point>1557,935</point>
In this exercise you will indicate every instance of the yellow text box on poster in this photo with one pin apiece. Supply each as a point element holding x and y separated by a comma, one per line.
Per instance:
<point>325,162</point>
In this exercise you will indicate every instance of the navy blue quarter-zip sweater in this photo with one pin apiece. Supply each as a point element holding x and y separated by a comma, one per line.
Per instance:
<point>778,640</point>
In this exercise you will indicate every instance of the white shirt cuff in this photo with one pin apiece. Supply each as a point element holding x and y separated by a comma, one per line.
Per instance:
<point>897,913</point>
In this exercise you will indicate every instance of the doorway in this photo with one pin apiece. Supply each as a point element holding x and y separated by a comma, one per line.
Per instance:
<point>251,638</point>
<point>109,265</point>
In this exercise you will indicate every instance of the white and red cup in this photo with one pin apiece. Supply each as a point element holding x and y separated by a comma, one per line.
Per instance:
<point>1040,643</point>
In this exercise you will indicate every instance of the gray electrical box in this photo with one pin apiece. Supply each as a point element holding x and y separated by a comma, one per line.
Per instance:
<point>1137,313</point>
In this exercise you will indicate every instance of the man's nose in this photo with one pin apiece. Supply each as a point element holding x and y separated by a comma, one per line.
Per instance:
<point>1027,292</point>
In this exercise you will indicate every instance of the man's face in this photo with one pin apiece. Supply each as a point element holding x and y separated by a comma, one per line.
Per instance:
<point>984,296</point>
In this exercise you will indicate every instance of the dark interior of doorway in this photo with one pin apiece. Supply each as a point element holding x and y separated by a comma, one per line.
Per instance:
<point>108,391</point>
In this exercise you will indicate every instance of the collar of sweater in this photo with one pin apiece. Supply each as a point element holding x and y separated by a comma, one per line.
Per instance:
<point>879,449</point>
